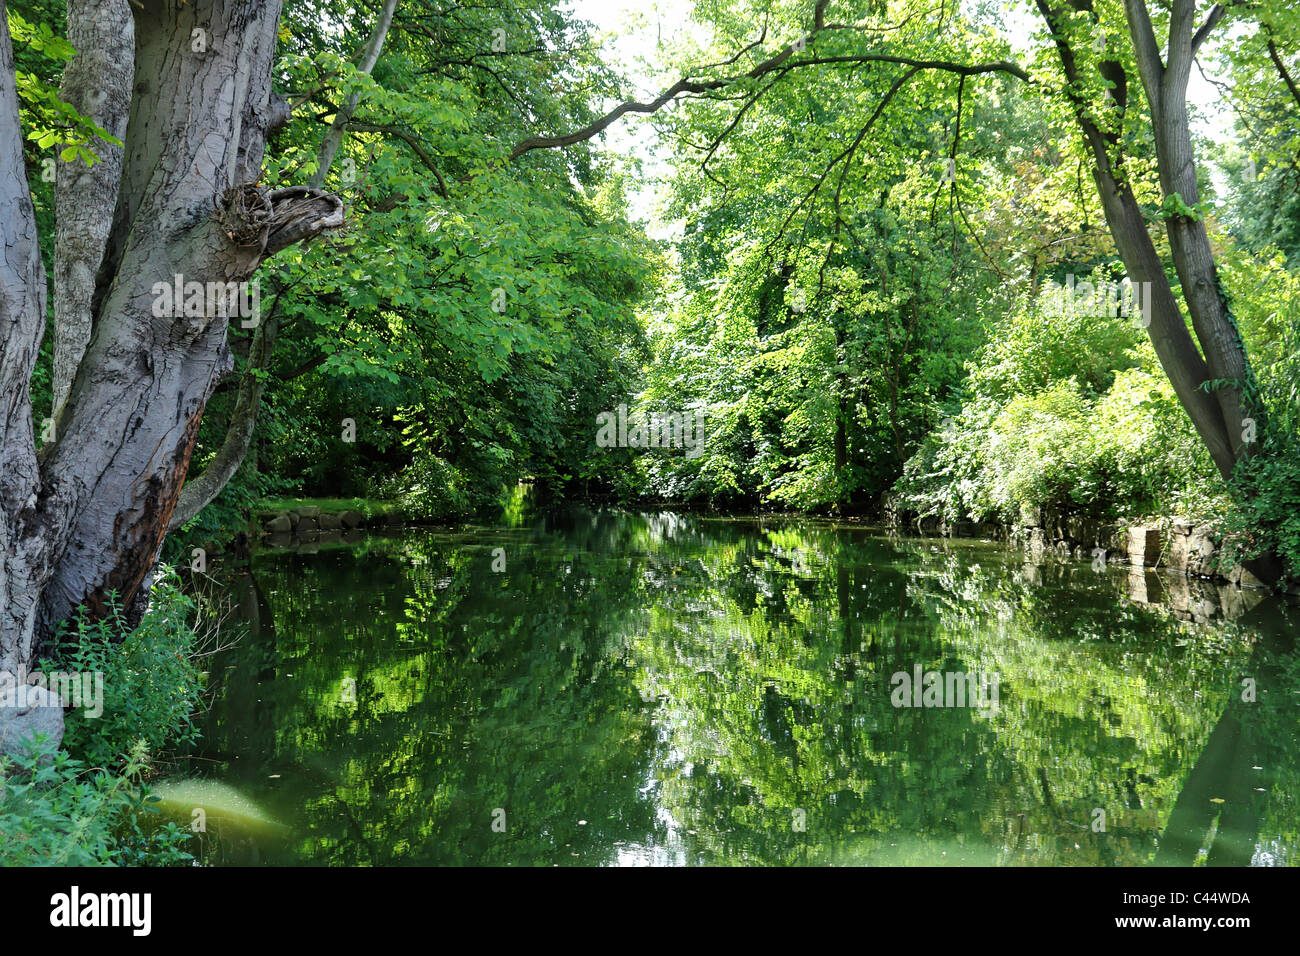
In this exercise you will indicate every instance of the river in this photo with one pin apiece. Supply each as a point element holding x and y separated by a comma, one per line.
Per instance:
<point>604,687</point>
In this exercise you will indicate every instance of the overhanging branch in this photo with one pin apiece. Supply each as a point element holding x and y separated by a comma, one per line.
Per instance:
<point>410,140</point>
<point>785,60</point>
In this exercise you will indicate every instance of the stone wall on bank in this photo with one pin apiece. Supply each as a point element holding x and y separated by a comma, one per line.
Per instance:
<point>307,525</point>
<point>1176,545</point>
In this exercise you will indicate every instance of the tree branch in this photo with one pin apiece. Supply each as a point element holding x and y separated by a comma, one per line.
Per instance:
<point>781,60</point>
<point>198,492</point>
<point>411,141</point>
<point>1150,66</point>
<point>1182,24</point>
<point>1282,71</point>
<point>1211,21</point>
<point>334,137</point>
<point>847,153</point>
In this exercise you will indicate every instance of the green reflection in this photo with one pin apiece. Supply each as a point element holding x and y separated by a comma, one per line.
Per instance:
<point>660,688</point>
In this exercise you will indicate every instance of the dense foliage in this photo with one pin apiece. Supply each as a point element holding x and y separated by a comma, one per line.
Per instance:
<point>858,303</point>
<point>87,803</point>
<point>858,309</point>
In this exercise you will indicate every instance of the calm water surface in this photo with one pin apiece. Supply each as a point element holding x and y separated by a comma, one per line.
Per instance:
<point>673,689</point>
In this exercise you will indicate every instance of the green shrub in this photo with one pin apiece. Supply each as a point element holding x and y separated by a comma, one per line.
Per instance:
<point>55,812</point>
<point>1268,513</point>
<point>152,684</point>
<point>87,804</point>
<point>1041,450</point>
<point>1065,411</point>
<point>1157,462</point>
<point>1033,348</point>
<point>434,488</point>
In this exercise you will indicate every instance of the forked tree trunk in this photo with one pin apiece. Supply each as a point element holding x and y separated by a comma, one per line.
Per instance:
<point>1166,89</point>
<point>197,128</point>
<point>1182,362</point>
<point>91,517</point>
<point>1214,383</point>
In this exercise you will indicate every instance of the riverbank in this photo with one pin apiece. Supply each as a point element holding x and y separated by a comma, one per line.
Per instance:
<point>82,796</point>
<point>1193,548</point>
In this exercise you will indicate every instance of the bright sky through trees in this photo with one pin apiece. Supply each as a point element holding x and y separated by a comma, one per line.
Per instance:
<point>635,34</point>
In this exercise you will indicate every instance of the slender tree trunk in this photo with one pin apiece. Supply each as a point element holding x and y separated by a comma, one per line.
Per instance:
<point>1178,355</point>
<point>1166,89</point>
<point>97,83</point>
<point>329,146</point>
<point>200,491</point>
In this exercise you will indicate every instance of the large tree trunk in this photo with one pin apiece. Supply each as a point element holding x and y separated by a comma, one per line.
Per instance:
<point>91,520</point>
<point>24,553</point>
<point>135,404</point>
<point>1214,384</point>
<point>1166,89</point>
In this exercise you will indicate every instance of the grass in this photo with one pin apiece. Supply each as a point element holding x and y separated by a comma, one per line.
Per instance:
<point>368,507</point>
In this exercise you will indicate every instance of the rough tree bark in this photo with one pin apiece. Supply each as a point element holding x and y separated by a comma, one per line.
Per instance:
<point>24,551</point>
<point>89,517</point>
<point>97,83</point>
<point>199,491</point>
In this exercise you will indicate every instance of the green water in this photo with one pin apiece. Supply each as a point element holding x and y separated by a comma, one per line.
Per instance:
<point>671,689</point>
